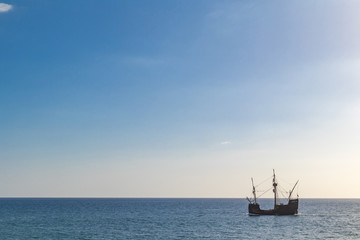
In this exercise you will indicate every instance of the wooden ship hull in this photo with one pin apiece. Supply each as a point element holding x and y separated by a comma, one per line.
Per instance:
<point>283,209</point>
<point>291,208</point>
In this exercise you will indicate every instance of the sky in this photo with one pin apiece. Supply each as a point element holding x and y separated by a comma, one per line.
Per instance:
<point>178,98</point>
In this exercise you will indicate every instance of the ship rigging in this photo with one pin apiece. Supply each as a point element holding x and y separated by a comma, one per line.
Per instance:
<point>290,208</point>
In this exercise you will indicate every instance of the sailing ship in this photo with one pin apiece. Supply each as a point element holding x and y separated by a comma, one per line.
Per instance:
<point>291,208</point>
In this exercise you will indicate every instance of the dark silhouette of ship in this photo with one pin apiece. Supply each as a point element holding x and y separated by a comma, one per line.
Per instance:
<point>291,208</point>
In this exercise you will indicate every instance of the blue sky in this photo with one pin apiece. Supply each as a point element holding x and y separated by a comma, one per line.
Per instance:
<point>178,98</point>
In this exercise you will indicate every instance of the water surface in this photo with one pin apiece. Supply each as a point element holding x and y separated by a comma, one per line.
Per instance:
<point>79,218</point>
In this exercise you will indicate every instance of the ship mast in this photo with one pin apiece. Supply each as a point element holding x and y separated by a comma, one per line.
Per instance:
<point>274,190</point>
<point>254,192</point>
<point>293,189</point>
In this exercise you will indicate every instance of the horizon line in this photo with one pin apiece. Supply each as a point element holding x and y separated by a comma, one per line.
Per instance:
<point>244,198</point>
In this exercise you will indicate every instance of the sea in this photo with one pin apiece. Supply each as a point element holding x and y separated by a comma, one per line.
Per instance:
<point>160,218</point>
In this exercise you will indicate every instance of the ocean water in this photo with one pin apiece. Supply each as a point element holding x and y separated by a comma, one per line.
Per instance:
<point>173,219</point>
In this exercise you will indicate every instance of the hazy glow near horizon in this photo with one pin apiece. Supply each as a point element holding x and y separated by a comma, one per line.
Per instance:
<point>178,98</point>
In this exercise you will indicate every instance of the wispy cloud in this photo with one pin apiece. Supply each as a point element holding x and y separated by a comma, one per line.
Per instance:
<point>5,7</point>
<point>225,143</point>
